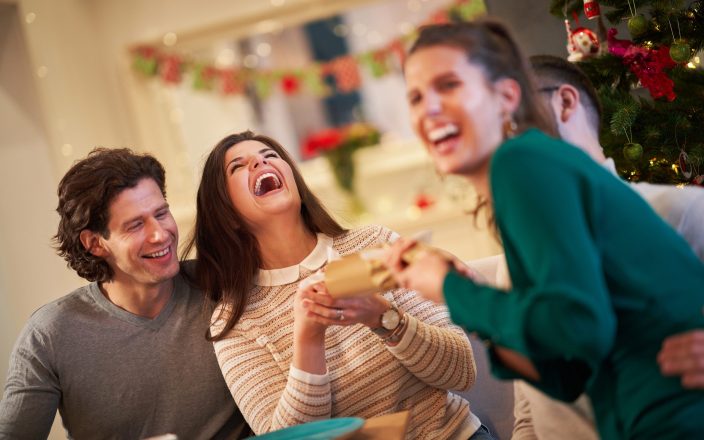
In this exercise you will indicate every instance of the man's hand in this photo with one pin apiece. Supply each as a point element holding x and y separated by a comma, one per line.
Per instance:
<point>683,355</point>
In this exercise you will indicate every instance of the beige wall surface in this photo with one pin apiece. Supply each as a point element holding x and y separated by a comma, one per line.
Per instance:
<point>30,273</point>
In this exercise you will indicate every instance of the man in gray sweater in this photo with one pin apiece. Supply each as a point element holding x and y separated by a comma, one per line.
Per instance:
<point>124,356</point>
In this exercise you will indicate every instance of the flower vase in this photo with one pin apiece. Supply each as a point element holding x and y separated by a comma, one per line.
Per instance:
<point>354,204</point>
<point>341,163</point>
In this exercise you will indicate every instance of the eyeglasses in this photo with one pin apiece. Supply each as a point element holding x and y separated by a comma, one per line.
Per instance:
<point>548,89</point>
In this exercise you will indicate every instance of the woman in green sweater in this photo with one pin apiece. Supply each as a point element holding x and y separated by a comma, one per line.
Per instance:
<point>599,280</point>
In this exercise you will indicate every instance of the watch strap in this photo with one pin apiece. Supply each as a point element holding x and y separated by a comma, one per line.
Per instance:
<point>392,336</point>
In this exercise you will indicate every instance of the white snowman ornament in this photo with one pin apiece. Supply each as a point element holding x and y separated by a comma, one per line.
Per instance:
<point>582,43</point>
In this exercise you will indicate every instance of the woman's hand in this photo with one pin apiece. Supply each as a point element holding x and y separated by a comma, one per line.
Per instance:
<point>310,315</point>
<point>365,310</point>
<point>424,275</point>
<point>319,310</point>
<point>463,269</point>
<point>310,320</point>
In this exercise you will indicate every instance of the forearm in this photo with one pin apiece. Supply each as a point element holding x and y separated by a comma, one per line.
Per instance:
<point>268,399</point>
<point>439,356</point>
<point>549,321</point>
<point>306,398</point>
<point>275,404</point>
<point>30,400</point>
<point>541,325</point>
<point>309,352</point>
<point>26,415</point>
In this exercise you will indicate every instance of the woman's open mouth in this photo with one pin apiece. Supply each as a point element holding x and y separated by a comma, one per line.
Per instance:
<point>266,183</point>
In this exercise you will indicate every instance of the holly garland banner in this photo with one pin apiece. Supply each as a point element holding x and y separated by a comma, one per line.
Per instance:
<point>344,71</point>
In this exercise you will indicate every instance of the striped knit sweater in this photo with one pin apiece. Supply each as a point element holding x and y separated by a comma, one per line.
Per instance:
<point>365,377</point>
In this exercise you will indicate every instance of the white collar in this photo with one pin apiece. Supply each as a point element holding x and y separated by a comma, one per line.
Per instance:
<point>287,275</point>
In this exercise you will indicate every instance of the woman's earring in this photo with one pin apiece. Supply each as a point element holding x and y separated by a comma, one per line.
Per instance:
<point>509,127</point>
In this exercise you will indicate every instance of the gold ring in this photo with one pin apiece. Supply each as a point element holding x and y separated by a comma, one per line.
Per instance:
<point>340,315</point>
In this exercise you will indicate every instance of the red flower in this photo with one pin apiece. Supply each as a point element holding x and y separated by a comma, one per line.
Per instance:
<point>349,137</point>
<point>321,141</point>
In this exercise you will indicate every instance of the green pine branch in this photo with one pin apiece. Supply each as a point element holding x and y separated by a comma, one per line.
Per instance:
<point>663,128</point>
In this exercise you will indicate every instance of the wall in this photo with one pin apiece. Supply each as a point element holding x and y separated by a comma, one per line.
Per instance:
<point>537,31</point>
<point>30,273</point>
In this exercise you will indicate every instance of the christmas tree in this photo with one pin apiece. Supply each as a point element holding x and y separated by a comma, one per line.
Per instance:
<point>650,81</point>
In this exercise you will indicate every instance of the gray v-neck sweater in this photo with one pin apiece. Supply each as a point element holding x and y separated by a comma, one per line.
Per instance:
<point>112,374</point>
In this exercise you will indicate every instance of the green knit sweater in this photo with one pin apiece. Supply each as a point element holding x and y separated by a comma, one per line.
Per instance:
<point>599,280</point>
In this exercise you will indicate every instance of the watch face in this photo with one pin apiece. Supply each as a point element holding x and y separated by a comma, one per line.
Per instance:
<point>390,319</point>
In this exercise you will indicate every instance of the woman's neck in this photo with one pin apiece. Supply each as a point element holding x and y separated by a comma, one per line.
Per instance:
<point>480,181</point>
<point>285,243</point>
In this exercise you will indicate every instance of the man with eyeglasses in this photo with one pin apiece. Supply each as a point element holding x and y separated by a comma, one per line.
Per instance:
<point>573,100</point>
<point>575,104</point>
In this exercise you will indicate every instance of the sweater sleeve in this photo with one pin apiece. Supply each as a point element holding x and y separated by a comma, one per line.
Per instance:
<point>558,313</point>
<point>435,351</point>
<point>268,396</point>
<point>32,393</point>
<point>690,225</point>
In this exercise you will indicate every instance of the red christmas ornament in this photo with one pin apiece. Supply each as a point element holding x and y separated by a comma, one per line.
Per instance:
<point>591,9</point>
<point>290,84</point>
<point>581,43</point>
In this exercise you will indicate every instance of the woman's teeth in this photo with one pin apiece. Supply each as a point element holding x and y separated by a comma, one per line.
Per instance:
<point>258,185</point>
<point>440,133</point>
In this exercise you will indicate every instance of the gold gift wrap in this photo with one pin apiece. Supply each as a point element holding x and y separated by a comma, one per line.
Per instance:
<point>363,273</point>
<point>353,275</point>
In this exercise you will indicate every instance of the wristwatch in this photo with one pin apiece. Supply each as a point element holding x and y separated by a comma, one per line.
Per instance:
<point>391,321</point>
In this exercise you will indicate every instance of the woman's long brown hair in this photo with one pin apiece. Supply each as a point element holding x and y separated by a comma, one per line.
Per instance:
<point>227,253</point>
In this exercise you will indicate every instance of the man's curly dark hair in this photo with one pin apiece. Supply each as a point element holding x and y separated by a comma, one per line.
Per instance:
<point>85,194</point>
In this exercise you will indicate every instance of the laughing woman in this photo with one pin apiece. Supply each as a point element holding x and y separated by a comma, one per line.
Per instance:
<point>599,280</point>
<point>292,355</point>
